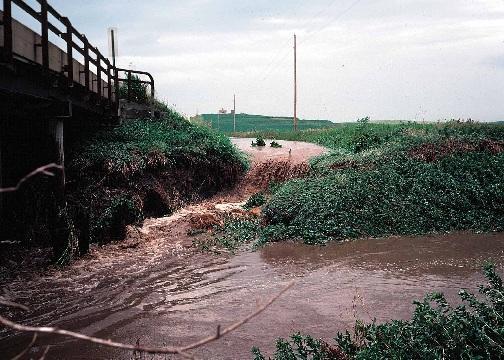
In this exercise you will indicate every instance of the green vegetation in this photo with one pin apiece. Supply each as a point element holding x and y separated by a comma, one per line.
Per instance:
<point>251,123</point>
<point>147,168</point>
<point>437,330</point>
<point>234,234</point>
<point>349,136</point>
<point>396,179</point>
<point>259,142</point>
<point>275,145</point>
<point>138,90</point>
<point>255,200</point>
<point>392,179</point>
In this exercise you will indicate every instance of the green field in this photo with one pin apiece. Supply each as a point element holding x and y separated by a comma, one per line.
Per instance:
<point>247,123</point>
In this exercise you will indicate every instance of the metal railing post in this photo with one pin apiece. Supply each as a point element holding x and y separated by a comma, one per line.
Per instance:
<point>129,85</point>
<point>7,29</point>
<point>109,85</point>
<point>69,55</point>
<point>86,63</point>
<point>44,33</point>
<point>116,88</point>
<point>98,74</point>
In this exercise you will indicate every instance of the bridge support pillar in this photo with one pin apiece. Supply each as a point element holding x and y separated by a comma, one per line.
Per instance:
<point>54,129</point>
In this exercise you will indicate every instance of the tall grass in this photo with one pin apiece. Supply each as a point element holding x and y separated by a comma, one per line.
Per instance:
<point>147,167</point>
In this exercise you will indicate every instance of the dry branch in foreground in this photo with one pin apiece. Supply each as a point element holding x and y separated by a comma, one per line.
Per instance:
<point>182,350</point>
<point>44,170</point>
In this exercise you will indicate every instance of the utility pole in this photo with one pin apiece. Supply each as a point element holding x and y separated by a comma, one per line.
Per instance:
<point>112,40</point>
<point>295,84</point>
<point>234,113</point>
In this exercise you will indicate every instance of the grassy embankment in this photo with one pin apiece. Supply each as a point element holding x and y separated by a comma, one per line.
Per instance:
<point>144,168</point>
<point>389,179</point>
<point>252,123</point>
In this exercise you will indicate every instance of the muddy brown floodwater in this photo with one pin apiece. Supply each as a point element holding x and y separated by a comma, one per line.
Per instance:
<point>157,289</point>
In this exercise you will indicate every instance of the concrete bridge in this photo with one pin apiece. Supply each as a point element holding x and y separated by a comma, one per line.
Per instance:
<point>51,96</point>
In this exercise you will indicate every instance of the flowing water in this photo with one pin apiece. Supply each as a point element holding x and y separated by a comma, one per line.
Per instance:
<point>157,289</point>
<point>180,297</point>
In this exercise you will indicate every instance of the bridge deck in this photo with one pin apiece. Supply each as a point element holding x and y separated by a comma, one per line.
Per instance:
<point>30,65</point>
<point>25,49</point>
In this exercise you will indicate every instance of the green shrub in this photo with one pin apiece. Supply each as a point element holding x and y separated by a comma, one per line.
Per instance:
<point>255,200</point>
<point>138,91</point>
<point>393,196</point>
<point>275,145</point>
<point>415,180</point>
<point>437,330</point>
<point>235,233</point>
<point>259,142</point>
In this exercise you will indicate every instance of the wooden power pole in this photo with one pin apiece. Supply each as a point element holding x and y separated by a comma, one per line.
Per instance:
<point>234,113</point>
<point>295,84</point>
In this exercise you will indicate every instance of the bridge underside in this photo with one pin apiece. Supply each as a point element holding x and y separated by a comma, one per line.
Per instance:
<point>41,118</point>
<point>26,89</point>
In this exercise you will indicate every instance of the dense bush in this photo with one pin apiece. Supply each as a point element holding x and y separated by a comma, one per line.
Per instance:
<point>424,179</point>
<point>398,196</point>
<point>255,200</point>
<point>138,90</point>
<point>437,330</point>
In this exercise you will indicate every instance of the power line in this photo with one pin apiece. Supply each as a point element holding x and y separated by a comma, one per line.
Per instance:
<point>333,19</point>
<point>310,34</point>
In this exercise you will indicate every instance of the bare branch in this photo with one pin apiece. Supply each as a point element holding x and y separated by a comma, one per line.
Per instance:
<point>11,304</point>
<point>44,170</point>
<point>151,350</point>
<point>45,352</point>
<point>237,324</point>
<point>21,354</point>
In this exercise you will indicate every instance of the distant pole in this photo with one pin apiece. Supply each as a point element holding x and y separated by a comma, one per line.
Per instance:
<point>295,84</point>
<point>234,113</point>
<point>113,47</point>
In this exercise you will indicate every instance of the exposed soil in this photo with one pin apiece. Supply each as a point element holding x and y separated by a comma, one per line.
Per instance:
<point>431,152</point>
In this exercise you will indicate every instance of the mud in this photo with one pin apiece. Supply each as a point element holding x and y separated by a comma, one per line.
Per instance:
<point>156,288</point>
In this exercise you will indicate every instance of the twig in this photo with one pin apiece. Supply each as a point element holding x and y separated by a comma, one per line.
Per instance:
<point>150,350</point>
<point>11,304</point>
<point>45,352</point>
<point>44,170</point>
<point>21,354</point>
<point>238,323</point>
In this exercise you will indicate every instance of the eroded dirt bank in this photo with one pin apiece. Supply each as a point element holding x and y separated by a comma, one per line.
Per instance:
<point>156,288</point>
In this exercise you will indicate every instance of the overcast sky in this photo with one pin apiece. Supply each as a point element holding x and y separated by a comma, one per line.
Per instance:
<point>389,59</point>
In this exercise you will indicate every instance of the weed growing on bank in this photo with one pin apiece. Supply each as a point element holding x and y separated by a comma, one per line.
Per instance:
<point>437,330</point>
<point>255,200</point>
<point>232,235</point>
<point>147,167</point>
<point>405,179</point>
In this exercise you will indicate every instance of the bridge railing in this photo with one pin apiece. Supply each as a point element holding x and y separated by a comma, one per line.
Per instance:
<point>106,77</point>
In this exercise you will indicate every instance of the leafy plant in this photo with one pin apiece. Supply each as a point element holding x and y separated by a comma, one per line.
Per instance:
<point>259,142</point>
<point>276,145</point>
<point>423,179</point>
<point>235,233</point>
<point>255,200</point>
<point>137,91</point>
